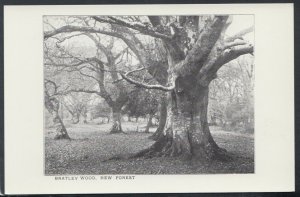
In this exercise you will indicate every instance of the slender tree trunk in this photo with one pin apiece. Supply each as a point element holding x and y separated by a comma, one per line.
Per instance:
<point>186,132</point>
<point>116,118</point>
<point>162,119</point>
<point>52,105</point>
<point>149,124</point>
<point>82,118</point>
<point>150,120</point>
<point>75,118</point>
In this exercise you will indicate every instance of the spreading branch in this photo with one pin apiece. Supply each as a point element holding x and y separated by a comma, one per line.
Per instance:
<point>78,90</point>
<point>240,34</point>
<point>234,43</point>
<point>210,68</point>
<point>147,86</point>
<point>202,48</point>
<point>70,28</point>
<point>147,30</point>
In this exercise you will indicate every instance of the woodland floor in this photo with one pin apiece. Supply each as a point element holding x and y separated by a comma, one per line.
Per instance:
<point>91,144</point>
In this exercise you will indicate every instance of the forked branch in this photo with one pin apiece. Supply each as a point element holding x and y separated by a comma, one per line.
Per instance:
<point>147,86</point>
<point>135,26</point>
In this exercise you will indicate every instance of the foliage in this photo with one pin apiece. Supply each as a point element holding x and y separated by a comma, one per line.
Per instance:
<point>142,103</point>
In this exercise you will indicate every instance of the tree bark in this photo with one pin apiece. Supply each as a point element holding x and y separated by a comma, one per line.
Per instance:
<point>52,105</point>
<point>61,131</point>
<point>149,124</point>
<point>162,119</point>
<point>116,120</point>
<point>186,132</point>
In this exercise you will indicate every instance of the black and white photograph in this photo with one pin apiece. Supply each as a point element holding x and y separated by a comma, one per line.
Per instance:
<point>149,98</point>
<point>155,94</point>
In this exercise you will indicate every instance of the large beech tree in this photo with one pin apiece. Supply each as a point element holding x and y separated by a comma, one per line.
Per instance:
<point>195,48</point>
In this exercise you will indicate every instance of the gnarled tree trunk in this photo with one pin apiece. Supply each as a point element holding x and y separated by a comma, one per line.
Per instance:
<point>186,132</point>
<point>52,105</point>
<point>61,131</point>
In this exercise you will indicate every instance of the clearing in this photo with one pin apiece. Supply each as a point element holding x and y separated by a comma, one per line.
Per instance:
<point>91,144</point>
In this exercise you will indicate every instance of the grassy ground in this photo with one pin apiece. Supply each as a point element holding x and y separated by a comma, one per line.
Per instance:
<point>91,144</point>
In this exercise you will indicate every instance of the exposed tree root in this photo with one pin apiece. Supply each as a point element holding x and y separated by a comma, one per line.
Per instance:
<point>166,147</point>
<point>63,136</point>
<point>156,135</point>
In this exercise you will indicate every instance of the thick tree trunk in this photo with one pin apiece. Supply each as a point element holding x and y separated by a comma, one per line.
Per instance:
<point>116,120</point>
<point>52,105</point>
<point>149,124</point>
<point>162,119</point>
<point>186,132</point>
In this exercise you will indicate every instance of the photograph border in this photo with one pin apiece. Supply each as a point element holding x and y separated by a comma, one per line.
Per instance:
<point>296,93</point>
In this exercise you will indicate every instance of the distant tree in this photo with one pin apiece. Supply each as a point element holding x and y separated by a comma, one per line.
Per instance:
<point>101,110</point>
<point>232,96</point>
<point>77,105</point>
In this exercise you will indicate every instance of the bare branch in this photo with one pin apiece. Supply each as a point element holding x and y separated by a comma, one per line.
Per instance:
<point>78,90</point>
<point>68,37</point>
<point>65,65</point>
<point>136,70</point>
<point>209,70</point>
<point>234,43</point>
<point>135,26</point>
<point>240,34</point>
<point>147,86</point>
<point>70,28</point>
<point>86,75</point>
